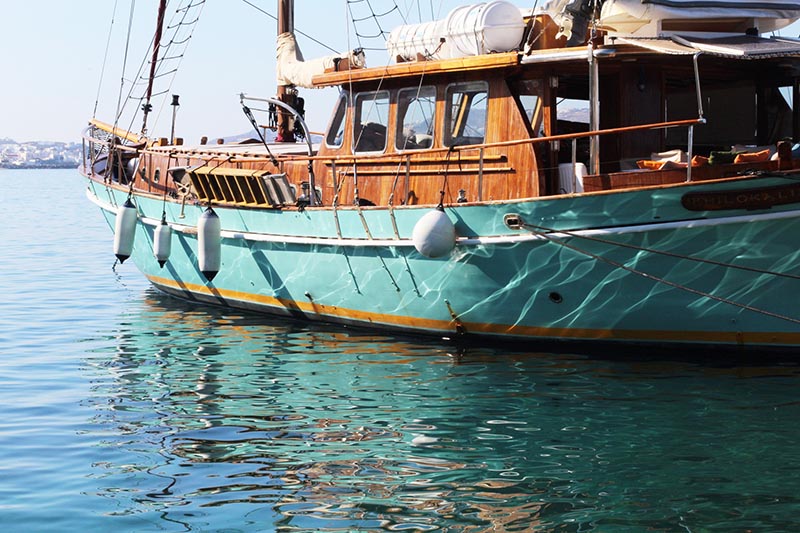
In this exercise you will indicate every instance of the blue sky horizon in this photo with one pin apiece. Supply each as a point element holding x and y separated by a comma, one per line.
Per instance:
<point>53,55</point>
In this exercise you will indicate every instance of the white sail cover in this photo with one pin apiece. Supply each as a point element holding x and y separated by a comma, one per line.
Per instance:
<point>292,69</point>
<point>468,30</point>
<point>657,17</point>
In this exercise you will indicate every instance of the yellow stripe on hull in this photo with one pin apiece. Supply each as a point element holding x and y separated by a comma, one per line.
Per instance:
<point>511,332</point>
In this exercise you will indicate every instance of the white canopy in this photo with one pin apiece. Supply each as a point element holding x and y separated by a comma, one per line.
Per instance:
<point>653,18</point>
<point>742,47</point>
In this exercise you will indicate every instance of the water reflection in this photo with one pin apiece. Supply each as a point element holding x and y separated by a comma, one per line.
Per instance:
<point>211,420</point>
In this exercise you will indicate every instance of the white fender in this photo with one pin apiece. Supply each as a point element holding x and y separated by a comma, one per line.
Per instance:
<point>162,242</point>
<point>125,230</point>
<point>209,243</point>
<point>434,234</point>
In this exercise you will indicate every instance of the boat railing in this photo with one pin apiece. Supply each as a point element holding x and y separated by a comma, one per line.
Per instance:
<point>102,142</point>
<point>99,139</point>
<point>574,137</point>
<point>403,156</point>
<point>95,147</point>
<point>405,160</point>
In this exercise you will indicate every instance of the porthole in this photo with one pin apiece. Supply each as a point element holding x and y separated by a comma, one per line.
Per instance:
<point>513,221</point>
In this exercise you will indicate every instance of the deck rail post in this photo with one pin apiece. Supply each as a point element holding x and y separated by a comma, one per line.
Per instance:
<point>689,155</point>
<point>480,174</point>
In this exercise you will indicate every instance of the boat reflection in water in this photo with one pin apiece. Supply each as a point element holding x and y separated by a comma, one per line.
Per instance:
<point>213,420</point>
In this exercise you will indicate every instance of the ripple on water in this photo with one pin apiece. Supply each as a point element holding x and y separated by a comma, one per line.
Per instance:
<point>126,410</point>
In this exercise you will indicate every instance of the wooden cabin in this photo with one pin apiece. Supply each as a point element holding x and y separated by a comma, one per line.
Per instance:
<point>520,125</point>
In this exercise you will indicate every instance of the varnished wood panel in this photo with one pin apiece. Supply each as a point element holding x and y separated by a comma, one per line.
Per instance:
<point>509,172</point>
<point>415,176</point>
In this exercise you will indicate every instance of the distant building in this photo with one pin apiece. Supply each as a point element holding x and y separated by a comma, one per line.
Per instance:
<point>39,154</point>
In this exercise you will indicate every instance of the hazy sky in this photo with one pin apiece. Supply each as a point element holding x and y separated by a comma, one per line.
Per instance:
<point>52,53</point>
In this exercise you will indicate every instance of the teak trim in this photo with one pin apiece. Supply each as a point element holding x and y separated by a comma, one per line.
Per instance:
<point>417,68</point>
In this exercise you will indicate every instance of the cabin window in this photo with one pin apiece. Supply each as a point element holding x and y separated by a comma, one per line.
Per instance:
<point>466,113</point>
<point>371,121</point>
<point>572,118</point>
<point>416,110</point>
<point>727,130</point>
<point>730,110</point>
<point>335,134</point>
<point>788,95</point>
<point>529,98</point>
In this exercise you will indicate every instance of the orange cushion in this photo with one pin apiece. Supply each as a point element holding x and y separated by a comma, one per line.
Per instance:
<point>650,165</point>
<point>754,157</point>
<point>659,165</point>
<point>699,161</point>
<point>672,165</point>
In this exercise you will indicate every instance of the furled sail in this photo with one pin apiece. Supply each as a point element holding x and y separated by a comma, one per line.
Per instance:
<point>292,69</point>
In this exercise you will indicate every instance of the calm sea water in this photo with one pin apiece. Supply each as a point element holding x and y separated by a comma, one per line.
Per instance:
<point>125,410</point>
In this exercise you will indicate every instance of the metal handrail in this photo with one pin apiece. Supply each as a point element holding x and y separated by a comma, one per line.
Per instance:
<point>313,200</point>
<point>530,140</point>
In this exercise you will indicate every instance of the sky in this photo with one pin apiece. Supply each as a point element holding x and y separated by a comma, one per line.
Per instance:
<point>52,60</point>
<point>52,56</point>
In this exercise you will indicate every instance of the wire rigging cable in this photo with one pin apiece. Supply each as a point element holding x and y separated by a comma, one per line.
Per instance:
<point>181,29</point>
<point>172,52</point>
<point>118,114</point>
<point>105,59</point>
<point>307,36</point>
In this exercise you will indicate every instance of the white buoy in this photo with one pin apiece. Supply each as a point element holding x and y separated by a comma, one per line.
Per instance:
<point>125,230</point>
<point>162,242</point>
<point>434,234</point>
<point>209,243</point>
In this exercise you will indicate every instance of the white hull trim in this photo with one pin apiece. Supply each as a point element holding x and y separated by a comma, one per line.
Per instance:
<point>465,241</point>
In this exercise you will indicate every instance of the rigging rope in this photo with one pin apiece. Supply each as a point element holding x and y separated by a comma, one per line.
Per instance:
<point>249,114</point>
<point>657,279</point>
<point>105,59</point>
<point>372,15</point>
<point>124,64</point>
<point>166,61</point>
<point>307,36</point>
<point>169,61</point>
<point>668,254</point>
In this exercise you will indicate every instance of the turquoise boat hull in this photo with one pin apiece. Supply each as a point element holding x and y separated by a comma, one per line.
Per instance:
<point>625,267</point>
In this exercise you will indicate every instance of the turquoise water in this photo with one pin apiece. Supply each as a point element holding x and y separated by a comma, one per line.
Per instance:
<point>125,410</point>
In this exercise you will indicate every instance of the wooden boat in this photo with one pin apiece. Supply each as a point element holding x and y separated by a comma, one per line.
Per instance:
<point>452,196</point>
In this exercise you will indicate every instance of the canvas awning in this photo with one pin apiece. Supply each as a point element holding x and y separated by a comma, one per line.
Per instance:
<point>743,47</point>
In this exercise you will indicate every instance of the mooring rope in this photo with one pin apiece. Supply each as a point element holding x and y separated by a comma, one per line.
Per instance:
<point>668,254</point>
<point>657,279</point>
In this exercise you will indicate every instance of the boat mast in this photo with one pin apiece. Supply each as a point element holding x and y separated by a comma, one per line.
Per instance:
<point>594,111</point>
<point>286,93</point>
<point>147,106</point>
